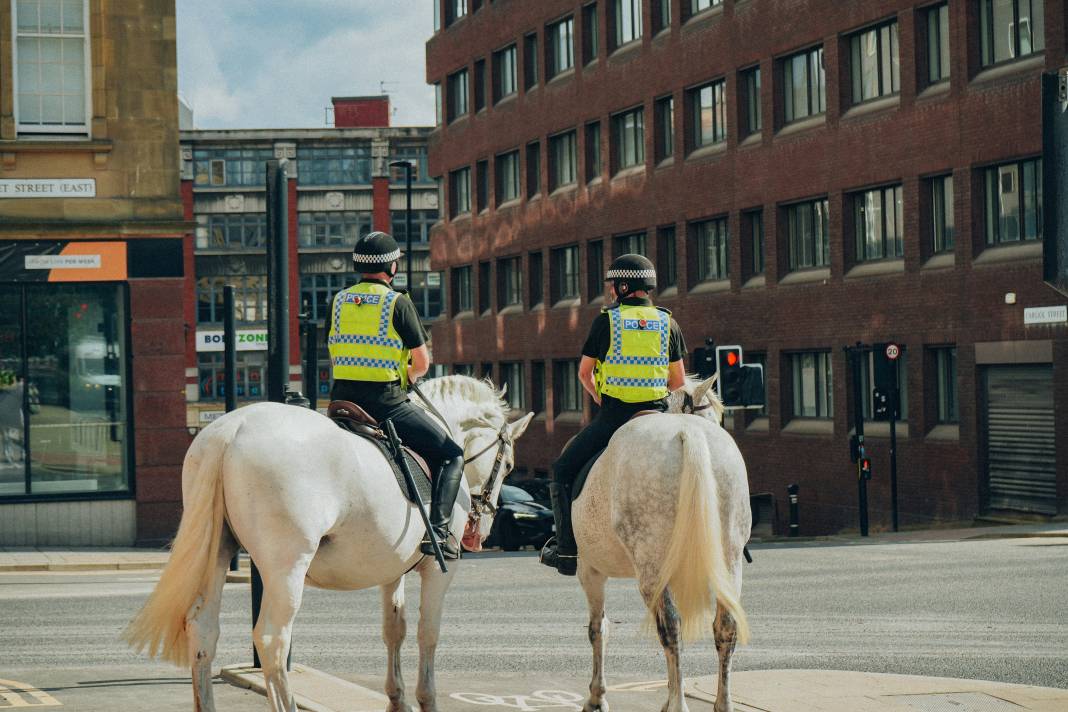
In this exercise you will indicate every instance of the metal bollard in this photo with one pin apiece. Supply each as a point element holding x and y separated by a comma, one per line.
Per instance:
<point>794,526</point>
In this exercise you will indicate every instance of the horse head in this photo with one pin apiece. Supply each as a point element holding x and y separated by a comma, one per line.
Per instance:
<point>698,397</point>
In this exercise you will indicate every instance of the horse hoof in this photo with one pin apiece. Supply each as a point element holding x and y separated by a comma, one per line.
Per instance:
<point>591,707</point>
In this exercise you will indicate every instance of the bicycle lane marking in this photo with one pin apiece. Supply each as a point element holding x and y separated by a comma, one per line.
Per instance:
<point>19,694</point>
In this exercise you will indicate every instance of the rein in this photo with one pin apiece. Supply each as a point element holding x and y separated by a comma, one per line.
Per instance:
<point>481,503</point>
<point>688,406</point>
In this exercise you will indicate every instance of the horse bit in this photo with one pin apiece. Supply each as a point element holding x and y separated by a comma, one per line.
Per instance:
<point>689,407</point>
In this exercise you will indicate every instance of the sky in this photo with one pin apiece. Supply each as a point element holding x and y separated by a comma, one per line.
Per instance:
<point>275,63</point>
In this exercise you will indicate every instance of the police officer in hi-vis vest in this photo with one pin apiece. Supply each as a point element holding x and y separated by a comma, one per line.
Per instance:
<point>374,332</point>
<point>633,357</point>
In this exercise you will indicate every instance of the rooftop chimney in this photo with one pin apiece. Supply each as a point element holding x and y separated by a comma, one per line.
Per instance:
<point>361,112</point>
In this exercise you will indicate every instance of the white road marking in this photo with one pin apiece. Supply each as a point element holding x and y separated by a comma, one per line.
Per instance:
<point>539,700</point>
<point>19,694</point>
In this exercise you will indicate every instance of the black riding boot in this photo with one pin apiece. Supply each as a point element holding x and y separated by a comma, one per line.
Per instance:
<point>446,487</point>
<point>561,552</point>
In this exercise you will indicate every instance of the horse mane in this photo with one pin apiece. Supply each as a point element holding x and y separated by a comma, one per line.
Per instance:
<point>462,398</point>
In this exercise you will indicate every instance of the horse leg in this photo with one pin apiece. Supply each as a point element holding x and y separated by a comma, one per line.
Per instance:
<point>283,588</point>
<point>667,628</point>
<point>593,582</point>
<point>394,628</point>
<point>726,634</point>
<point>202,628</point>
<point>431,599</point>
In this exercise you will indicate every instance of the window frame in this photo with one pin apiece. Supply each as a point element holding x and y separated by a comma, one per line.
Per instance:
<point>533,169</point>
<point>753,224</point>
<point>558,178</point>
<point>883,56</point>
<point>502,172</point>
<point>458,101</point>
<point>565,372</point>
<point>565,284</point>
<point>711,265</point>
<point>619,37</point>
<point>591,33</point>
<point>824,385</point>
<point>461,288</point>
<point>456,206</point>
<point>993,227</point>
<point>821,246</point>
<point>938,47</point>
<point>986,31</point>
<point>594,159</point>
<point>717,93</point>
<point>637,135</point>
<point>505,65</point>
<point>73,130</point>
<point>667,266</point>
<point>664,127</point>
<point>594,269</point>
<point>861,201</point>
<point>555,64</point>
<point>509,282</point>
<point>817,95</point>
<point>752,108</point>
<point>947,394</point>
<point>943,232</point>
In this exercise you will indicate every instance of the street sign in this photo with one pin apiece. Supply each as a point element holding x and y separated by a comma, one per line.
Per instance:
<point>893,351</point>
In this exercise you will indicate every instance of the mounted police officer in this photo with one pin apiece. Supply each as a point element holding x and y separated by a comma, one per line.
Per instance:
<point>374,332</point>
<point>633,357</point>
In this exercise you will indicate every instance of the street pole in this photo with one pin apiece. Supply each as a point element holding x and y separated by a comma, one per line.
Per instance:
<point>230,364</point>
<point>894,402</point>
<point>407,218</point>
<point>856,353</point>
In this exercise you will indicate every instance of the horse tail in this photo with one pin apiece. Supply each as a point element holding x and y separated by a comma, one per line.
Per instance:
<point>695,565</point>
<point>190,573</point>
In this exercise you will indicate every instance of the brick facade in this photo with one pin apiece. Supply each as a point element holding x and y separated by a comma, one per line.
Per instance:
<point>979,118</point>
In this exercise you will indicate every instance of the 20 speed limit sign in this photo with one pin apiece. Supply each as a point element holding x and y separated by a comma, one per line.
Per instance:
<point>893,351</point>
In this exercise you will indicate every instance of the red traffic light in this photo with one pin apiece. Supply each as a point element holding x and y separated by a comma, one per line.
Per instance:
<point>732,358</point>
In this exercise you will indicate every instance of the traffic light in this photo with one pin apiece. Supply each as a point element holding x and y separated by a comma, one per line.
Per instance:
<point>739,385</point>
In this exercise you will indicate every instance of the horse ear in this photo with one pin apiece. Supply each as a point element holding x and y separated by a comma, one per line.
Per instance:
<point>504,391</point>
<point>702,390</point>
<point>518,427</point>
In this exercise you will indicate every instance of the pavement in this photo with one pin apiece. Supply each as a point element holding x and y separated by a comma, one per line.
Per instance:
<point>752,691</point>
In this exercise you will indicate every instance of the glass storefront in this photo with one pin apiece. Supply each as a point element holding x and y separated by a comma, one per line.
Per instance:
<point>63,390</point>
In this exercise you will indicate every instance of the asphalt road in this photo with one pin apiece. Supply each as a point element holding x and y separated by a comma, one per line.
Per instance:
<point>995,610</point>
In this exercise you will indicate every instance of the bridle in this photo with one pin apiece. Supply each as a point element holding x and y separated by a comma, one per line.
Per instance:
<point>688,405</point>
<point>482,503</point>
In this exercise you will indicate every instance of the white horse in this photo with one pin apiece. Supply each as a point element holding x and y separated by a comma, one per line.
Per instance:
<point>314,504</point>
<point>668,503</point>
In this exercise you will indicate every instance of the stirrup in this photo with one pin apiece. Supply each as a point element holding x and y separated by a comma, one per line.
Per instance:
<point>450,547</point>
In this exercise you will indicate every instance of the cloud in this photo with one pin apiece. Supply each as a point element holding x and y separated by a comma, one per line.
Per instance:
<point>273,64</point>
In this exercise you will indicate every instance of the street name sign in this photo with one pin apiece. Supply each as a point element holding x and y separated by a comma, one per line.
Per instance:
<point>48,188</point>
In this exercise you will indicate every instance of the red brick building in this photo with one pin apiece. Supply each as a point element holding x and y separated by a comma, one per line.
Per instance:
<point>806,175</point>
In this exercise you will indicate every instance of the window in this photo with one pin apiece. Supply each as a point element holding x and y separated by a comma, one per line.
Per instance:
<point>565,273</point>
<point>251,376</point>
<point>482,185</point>
<point>752,121</point>
<point>753,221</point>
<point>709,107</point>
<point>507,177</point>
<point>318,290</point>
<point>534,267</point>
<point>945,360</point>
<point>460,191</point>
<point>1009,29</point>
<point>454,10</point>
<point>480,85</point>
<point>699,6</point>
<point>875,64</point>
<point>416,154</point>
<point>463,369</point>
<point>710,239</point>
<point>439,110</point>
<point>1014,202</point>
<point>52,66</point>
<point>630,244</point>
<point>509,282</point>
<point>342,164</point>
<point>457,95</point>
<point>232,231</point>
<point>813,384</point>
<point>250,298</point>
<point>422,221</point>
<point>563,160</point>
<point>530,61</point>
<point>937,43</point>
<point>330,229</point>
<point>533,169</point>
<point>504,73</point>
<point>566,388</point>
<point>590,33</point>
<point>626,21</point>
<point>594,269</point>
<point>235,166</point>
<point>867,377</point>
<point>878,224</point>
<point>628,138</point>
<point>807,234</point>
<point>593,151</point>
<point>484,287</point>
<point>437,15</point>
<point>942,220</point>
<point>661,15</point>
<point>561,39</point>
<point>461,289</point>
<point>425,291</point>
<point>666,263</point>
<point>512,380</point>
<point>804,85</point>
<point>664,127</point>
<point>537,386</point>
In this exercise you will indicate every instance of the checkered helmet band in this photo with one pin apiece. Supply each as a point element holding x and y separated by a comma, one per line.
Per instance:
<point>631,274</point>
<point>364,258</point>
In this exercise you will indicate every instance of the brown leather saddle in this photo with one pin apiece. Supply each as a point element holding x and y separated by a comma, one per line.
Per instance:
<point>351,417</point>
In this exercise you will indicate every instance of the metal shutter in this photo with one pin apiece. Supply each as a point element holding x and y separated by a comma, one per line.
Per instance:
<point>1021,449</point>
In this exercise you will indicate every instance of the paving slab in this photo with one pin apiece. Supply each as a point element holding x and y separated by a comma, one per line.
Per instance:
<point>843,691</point>
<point>312,690</point>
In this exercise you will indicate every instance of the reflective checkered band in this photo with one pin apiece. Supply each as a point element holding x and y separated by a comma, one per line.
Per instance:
<point>350,298</point>
<point>631,274</point>
<point>366,362</point>
<point>636,360</point>
<point>383,321</point>
<point>361,339</point>
<point>617,332</point>
<point>637,382</point>
<point>376,259</point>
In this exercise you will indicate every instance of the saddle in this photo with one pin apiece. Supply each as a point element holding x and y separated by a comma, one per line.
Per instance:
<point>351,417</point>
<point>580,478</point>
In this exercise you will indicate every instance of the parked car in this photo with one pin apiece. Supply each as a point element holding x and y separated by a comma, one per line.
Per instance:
<point>520,521</point>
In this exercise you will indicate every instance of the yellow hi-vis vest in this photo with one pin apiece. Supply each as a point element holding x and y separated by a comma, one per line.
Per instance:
<point>635,369</point>
<point>363,344</point>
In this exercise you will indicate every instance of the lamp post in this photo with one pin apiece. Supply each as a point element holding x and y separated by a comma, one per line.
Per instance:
<point>407,165</point>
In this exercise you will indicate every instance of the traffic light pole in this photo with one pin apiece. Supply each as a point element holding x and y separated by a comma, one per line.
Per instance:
<point>856,353</point>
<point>894,402</point>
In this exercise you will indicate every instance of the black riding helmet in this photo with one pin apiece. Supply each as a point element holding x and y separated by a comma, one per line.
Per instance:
<point>375,252</point>
<point>631,273</point>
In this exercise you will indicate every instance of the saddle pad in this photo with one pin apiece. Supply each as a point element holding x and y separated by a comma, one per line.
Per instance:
<point>415,465</point>
<point>580,478</point>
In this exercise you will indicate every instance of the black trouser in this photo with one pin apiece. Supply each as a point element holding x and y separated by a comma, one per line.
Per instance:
<point>590,440</point>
